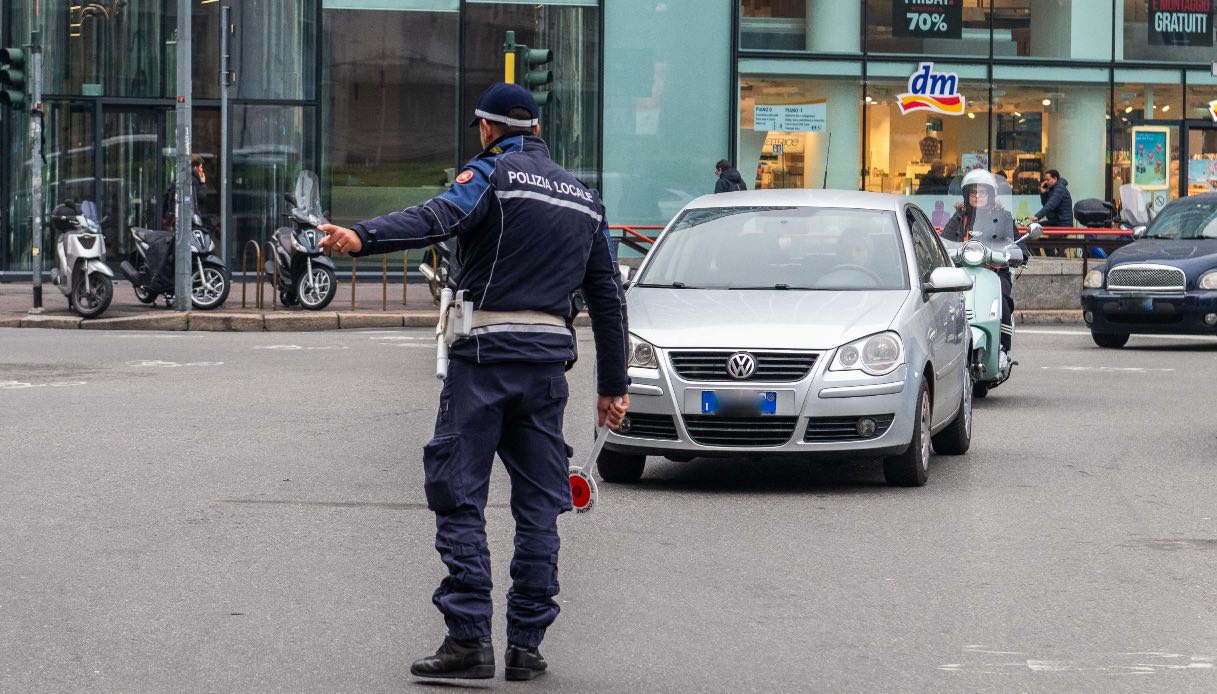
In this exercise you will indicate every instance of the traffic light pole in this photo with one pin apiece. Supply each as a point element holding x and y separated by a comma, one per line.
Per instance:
<point>184,213</point>
<point>36,227</point>
<point>509,58</point>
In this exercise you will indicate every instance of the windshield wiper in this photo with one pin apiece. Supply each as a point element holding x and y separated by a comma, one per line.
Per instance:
<point>673,285</point>
<point>771,286</point>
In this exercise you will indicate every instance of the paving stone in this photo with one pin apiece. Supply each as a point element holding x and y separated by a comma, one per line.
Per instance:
<point>50,322</point>
<point>301,321</point>
<point>222,322</point>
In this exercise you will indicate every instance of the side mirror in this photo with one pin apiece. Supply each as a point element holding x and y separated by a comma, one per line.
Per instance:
<point>947,279</point>
<point>1138,231</point>
<point>1034,231</point>
<point>625,272</point>
<point>290,197</point>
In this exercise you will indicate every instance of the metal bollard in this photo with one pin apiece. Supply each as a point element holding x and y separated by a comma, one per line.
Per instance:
<point>259,272</point>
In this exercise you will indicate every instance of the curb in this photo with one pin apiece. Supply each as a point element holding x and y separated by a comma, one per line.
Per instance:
<point>1047,317</point>
<point>167,321</point>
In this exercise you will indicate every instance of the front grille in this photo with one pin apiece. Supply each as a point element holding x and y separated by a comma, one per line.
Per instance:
<point>968,314</point>
<point>711,365</point>
<point>826,429</point>
<point>709,430</point>
<point>87,241</point>
<point>650,426</point>
<point>1145,278</point>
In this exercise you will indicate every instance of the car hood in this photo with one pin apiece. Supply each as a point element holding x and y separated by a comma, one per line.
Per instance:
<point>1190,255</point>
<point>759,319</point>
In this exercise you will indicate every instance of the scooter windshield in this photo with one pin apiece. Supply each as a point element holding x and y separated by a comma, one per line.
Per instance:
<point>308,195</point>
<point>993,223</point>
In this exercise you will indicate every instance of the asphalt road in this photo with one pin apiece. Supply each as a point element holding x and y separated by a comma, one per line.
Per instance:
<point>213,512</point>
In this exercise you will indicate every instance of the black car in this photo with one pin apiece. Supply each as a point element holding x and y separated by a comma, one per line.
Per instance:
<point>1165,282</point>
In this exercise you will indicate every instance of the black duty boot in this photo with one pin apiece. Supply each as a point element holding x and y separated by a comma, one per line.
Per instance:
<point>523,663</point>
<point>455,659</point>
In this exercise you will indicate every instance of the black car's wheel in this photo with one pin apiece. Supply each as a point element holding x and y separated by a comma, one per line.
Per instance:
<point>957,437</point>
<point>912,467</point>
<point>620,467</point>
<point>1112,340</point>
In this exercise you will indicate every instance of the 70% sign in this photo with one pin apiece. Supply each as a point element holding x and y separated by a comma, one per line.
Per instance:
<point>926,21</point>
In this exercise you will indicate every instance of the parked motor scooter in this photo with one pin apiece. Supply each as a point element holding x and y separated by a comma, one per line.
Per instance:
<point>150,267</point>
<point>436,268</point>
<point>304,274</point>
<point>80,269</point>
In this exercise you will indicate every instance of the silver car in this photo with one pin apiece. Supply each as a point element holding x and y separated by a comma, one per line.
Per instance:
<point>799,323</point>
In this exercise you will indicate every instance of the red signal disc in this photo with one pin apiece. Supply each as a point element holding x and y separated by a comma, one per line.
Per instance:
<point>582,490</point>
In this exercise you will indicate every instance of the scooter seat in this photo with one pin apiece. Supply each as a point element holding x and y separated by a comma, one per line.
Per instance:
<point>149,235</point>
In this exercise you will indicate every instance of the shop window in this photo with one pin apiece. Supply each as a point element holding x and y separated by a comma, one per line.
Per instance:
<point>1140,111</point>
<point>773,25</point>
<point>1157,31</point>
<point>1044,124</point>
<point>1070,29</point>
<point>961,28</point>
<point>799,133</point>
<point>917,151</point>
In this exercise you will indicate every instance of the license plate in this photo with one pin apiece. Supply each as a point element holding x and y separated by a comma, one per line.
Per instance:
<point>739,402</point>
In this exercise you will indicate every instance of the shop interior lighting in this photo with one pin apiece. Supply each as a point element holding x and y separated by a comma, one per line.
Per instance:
<point>971,115</point>
<point>1017,114</point>
<point>869,99</point>
<point>1046,102</point>
<point>1128,109</point>
<point>1166,108</point>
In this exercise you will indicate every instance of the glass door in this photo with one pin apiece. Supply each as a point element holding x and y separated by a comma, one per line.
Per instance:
<point>1201,159</point>
<point>133,177</point>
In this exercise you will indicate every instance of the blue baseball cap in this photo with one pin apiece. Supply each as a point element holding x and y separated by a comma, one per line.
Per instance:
<point>497,101</point>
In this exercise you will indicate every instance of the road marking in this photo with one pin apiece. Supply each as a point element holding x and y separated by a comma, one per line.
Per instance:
<point>1116,369</point>
<point>402,337</point>
<point>420,345</point>
<point>1127,663</point>
<point>21,385</point>
<point>290,348</point>
<point>1086,333</point>
<point>156,363</point>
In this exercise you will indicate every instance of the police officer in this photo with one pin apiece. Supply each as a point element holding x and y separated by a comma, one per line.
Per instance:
<point>528,234</point>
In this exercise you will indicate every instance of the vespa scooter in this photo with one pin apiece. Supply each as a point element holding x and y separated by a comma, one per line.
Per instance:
<point>304,274</point>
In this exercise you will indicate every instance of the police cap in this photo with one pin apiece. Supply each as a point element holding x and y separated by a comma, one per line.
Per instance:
<point>497,101</point>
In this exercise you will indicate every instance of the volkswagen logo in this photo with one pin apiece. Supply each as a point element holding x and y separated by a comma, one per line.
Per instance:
<point>741,365</point>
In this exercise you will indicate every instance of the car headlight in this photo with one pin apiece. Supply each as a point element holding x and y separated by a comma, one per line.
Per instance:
<point>1094,279</point>
<point>642,353</point>
<point>1208,280</point>
<point>974,253</point>
<point>877,355</point>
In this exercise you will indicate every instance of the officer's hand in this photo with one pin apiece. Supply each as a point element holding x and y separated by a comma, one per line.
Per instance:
<point>611,410</point>
<point>341,239</point>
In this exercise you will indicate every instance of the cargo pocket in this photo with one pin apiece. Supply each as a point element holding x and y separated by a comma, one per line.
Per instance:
<point>442,475</point>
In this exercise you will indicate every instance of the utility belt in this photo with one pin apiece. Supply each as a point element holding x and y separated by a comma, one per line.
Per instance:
<point>458,319</point>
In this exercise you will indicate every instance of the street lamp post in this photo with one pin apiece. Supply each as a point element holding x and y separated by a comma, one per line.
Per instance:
<point>184,213</point>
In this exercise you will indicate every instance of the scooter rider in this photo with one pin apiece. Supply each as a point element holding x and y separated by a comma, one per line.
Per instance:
<point>527,235</point>
<point>982,215</point>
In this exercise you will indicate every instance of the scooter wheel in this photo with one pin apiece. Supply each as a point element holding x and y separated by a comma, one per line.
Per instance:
<point>95,303</point>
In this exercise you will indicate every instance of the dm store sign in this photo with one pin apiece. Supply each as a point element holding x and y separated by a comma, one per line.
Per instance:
<point>932,91</point>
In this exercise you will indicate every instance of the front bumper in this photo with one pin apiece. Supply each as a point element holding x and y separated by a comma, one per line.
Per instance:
<point>821,420</point>
<point>1125,312</point>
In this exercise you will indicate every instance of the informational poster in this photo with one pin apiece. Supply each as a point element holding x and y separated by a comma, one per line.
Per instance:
<point>1150,158</point>
<point>791,118</point>
<point>1180,22</point>
<point>974,160</point>
<point>927,19</point>
<point>1202,174</point>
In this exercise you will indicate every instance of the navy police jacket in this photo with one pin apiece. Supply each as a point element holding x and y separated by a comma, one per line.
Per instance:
<point>528,234</point>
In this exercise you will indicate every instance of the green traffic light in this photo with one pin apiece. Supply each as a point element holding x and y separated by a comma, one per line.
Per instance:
<point>538,56</point>
<point>12,78</point>
<point>12,57</point>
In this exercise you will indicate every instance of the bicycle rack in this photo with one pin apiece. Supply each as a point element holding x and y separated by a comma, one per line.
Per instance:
<point>259,272</point>
<point>274,288</point>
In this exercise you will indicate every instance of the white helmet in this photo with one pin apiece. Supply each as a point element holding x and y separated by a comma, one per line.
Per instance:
<point>979,177</point>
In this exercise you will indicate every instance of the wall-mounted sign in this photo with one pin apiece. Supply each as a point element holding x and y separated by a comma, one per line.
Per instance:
<point>927,19</point>
<point>793,118</point>
<point>1151,157</point>
<point>784,144</point>
<point>932,91</point>
<point>1180,22</point>
<point>1213,110</point>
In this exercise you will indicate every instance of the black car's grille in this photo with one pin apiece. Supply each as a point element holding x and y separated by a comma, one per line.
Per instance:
<point>711,365</point>
<point>710,430</point>
<point>826,429</point>
<point>650,426</point>
<point>1145,278</point>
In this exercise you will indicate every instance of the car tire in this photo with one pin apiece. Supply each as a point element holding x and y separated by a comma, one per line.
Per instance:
<point>957,437</point>
<point>618,467</point>
<point>911,468</point>
<point>1110,340</point>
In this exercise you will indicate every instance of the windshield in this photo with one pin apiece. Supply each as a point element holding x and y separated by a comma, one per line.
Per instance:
<point>308,193</point>
<point>1185,219</point>
<point>779,248</point>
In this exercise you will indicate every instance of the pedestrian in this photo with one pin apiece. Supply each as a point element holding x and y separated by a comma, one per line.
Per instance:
<point>729,179</point>
<point>198,182</point>
<point>527,234</point>
<point>982,214</point>
<point>1057,210</point>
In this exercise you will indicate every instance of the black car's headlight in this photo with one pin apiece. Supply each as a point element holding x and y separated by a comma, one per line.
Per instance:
<point>642,353</point>
<point>877,355</point>
<point>1094,279</point>
<point>1208,280</point>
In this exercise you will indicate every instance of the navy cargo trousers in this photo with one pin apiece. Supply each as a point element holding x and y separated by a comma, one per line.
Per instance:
<point>514,409</point>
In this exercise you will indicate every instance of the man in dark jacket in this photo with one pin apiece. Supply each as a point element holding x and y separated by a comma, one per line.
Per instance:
<point>1057,210</point>
<point>527,235</point>
<point>729,179</point>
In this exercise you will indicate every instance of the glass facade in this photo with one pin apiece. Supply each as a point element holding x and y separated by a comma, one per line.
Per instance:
<point>879,95</point>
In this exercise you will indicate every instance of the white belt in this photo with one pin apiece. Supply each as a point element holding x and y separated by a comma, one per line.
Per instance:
<point>485,322</point>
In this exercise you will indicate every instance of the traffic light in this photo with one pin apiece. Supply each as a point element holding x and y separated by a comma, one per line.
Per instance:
<point>535,75</point>
<point>12,78</point>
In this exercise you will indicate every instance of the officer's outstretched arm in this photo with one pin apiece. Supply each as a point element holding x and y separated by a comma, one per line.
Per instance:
<point>606,305</point>
<point>453,212</point>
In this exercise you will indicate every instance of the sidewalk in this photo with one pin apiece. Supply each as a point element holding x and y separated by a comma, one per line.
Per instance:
<point>126,313</point>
